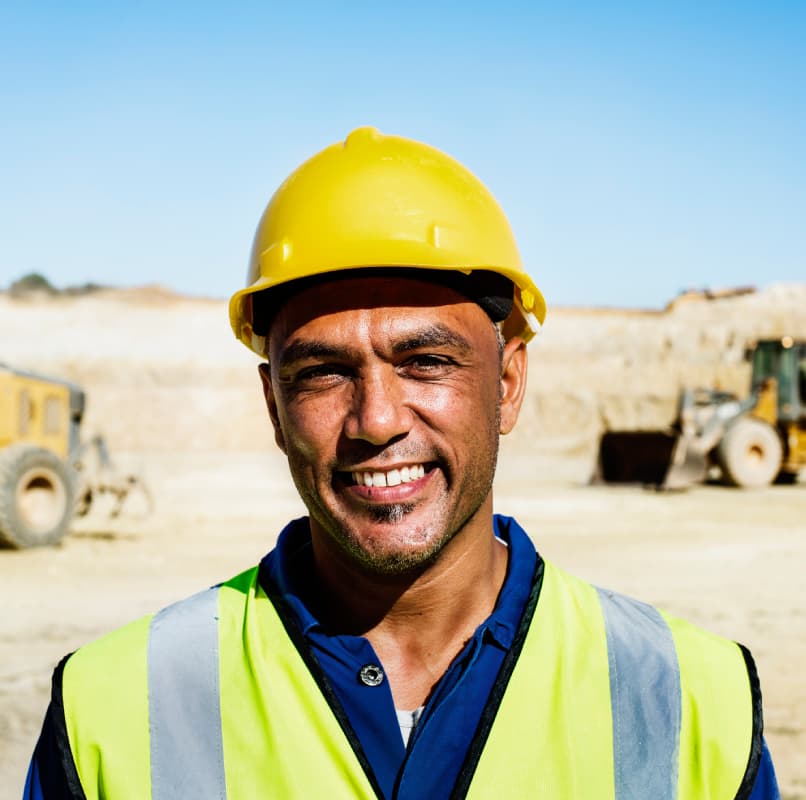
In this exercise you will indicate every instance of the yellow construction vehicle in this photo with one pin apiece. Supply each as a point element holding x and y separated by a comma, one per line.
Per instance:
<point>47,475</point>
<point>746,442</point>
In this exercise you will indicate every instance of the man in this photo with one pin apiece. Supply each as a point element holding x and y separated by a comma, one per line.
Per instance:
<point>401,641</point>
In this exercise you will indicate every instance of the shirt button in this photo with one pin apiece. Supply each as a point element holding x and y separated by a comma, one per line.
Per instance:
<point>371,675</point>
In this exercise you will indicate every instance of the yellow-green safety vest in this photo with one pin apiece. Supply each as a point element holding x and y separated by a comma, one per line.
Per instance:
<point>601,696</point>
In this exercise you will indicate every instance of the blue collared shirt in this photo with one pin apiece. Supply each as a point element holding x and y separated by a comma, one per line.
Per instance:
<point>429,766</point>
<point>450,717</point>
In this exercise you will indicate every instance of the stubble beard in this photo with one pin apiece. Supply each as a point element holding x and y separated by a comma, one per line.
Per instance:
<point>411,560</point>
<point>421,551</point>
<point>407,558</point>
<point>416,556</point>
<point>392,513</point>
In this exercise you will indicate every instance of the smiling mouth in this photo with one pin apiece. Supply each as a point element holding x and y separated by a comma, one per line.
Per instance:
<point>391,477</point>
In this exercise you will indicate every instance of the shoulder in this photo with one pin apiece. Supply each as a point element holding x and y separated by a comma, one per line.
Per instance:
<point>103,691</point>
<point>119,658</point>
<point>710,684</point>
<point>632,622</point>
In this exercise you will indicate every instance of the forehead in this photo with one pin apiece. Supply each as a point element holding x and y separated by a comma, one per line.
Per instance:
<point>353,306</point>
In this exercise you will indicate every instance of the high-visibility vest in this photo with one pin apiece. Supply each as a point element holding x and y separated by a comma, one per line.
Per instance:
<point>601,696</point>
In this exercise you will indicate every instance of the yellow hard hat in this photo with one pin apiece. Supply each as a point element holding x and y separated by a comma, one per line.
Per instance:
<point>382,201</point>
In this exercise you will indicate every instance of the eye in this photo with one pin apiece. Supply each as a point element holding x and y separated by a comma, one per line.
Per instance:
<point>317,376</point>
<point>427,365</point>
<point>427,361</point>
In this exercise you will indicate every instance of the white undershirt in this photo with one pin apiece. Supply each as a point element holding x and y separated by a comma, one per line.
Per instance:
<point>408,722</point>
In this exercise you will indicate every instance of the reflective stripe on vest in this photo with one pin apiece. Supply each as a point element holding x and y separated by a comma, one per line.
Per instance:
<point>186,745</point>
<point>644,698</point>
<point>184,701</point>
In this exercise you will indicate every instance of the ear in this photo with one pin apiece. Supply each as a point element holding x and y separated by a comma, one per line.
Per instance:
<point>271,404</point>
<point>513,382</point>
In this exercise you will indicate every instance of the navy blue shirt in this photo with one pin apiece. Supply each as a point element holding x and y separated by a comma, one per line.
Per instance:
<point>454,708</point>
<point>430,764</point>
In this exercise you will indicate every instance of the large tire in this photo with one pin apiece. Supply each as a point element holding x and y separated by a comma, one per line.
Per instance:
<point>36,496</point>
<point>750,453</point>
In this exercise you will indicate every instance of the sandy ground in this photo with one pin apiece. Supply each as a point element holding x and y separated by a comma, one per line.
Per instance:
<point>177,397</point>
<point>730,561</point>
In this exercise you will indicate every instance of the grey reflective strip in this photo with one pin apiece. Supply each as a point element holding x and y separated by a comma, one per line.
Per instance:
<point>645,699</point>
<point>187,751</point>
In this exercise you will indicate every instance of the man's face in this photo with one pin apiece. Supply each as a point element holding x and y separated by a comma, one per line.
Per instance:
<point>388,397</point>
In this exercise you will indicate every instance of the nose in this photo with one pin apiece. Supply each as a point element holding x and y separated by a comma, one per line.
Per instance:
<point>378,413</point>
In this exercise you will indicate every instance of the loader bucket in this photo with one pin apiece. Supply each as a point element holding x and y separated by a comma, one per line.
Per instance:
<point>662,459</point>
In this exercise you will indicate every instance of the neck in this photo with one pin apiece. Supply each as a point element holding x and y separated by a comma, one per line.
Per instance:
<point>418,622</point>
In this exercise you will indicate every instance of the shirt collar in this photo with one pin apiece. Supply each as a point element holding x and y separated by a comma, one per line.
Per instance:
<point>503,623</point>
<point>289,566</point>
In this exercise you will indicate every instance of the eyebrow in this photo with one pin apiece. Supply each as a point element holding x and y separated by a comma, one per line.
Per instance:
<point>301,351</point>
<point>432,336</point>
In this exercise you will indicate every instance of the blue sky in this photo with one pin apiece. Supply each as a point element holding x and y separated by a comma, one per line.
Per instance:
<point>638,148</point>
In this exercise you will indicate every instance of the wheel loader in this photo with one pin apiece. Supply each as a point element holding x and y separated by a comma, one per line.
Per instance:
<point>747,442</point>
<point>47,475</point>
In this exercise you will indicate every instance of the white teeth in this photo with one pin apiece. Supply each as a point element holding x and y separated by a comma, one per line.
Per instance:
<point>392,478</point>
